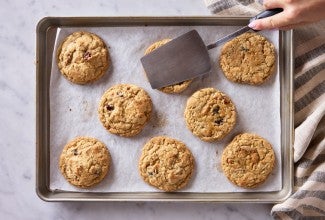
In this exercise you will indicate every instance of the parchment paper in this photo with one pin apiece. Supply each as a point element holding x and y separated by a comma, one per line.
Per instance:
<point>73,112</point>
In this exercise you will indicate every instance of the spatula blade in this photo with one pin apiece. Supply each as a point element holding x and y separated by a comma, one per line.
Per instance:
<point>183,58</point>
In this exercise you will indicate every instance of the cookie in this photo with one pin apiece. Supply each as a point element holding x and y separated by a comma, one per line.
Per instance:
<point>176,88</point>
<point>124,109</point>
<point>84,162</point>
<point>248,58</point>
<point>210,114</point>
<point>248,160</point>
<point>83,57</point>
<point>166,163</point>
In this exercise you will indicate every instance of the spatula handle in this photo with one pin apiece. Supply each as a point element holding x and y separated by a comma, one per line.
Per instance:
<point>263,14</point>
<point>266,13</point>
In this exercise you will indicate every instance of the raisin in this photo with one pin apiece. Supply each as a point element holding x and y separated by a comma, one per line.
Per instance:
<point>226,100</point>
<point>230,161</point>
<point>87,55</point>
<point>69,59</point>
<point>244,49</point>
<point>110,107</point>
<point>218,121</point>
<point>75,152</point>
<point>216,110</point>
<point>120,94</point>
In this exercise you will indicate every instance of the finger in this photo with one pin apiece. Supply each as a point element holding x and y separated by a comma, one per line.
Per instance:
<point>270,4</point>
<point>273,22</point>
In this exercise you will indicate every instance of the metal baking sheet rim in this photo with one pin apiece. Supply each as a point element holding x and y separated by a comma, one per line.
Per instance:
<point>45,35</point>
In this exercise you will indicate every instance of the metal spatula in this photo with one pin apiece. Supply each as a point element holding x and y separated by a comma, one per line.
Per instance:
<point>186,57</point>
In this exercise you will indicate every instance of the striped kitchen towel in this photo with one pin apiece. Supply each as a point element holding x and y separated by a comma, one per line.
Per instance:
<point>307,200</point>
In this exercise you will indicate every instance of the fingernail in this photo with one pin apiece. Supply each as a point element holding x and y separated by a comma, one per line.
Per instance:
<point>252,24</point>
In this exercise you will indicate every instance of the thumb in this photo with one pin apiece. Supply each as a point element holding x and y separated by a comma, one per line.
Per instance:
<point>273,22</point>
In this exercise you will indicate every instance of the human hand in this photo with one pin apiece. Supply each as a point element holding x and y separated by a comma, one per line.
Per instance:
<point>295,13</point>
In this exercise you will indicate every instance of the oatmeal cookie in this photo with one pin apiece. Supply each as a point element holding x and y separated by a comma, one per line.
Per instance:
<point>83,57</point>
<point>248,58</point>
<point>248,160</point>
<point>166,163</point>
<point>176,88</point>
<point>210,114</point>
<point>84,162</point>
<point>124,109</point>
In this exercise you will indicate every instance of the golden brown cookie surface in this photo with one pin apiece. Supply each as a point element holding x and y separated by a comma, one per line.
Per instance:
<point>83,57</point>
<point>177,88</point>
<point>248,160</point>
<point>248,58</point>
<point>124,109</point>
<point>84,162</point>
<point>166,163</point>
<point>210,114</point>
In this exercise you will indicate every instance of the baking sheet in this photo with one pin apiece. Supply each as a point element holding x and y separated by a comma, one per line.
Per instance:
<point>73,112</point>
